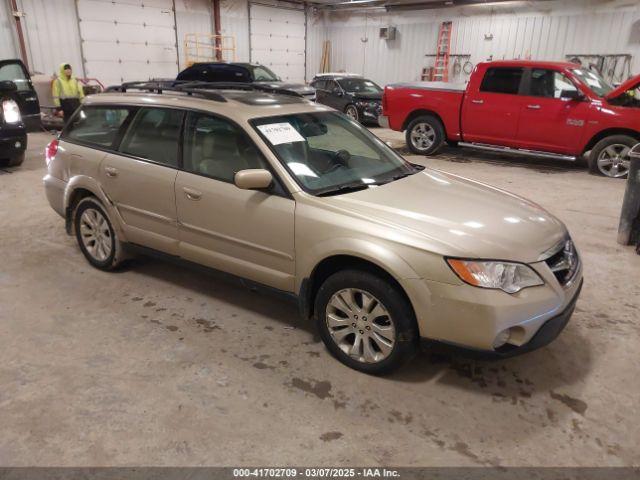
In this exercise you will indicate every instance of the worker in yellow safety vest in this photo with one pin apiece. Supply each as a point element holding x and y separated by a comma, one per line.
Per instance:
<point>67,92</point>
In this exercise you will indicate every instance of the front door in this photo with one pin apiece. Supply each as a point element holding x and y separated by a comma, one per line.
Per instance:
<point>549,122</point>
<point>140,178</point>
<point>243,232</point>
<point>491,113</point>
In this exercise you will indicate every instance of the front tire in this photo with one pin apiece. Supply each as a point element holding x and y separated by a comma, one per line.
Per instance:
<point>610,156</point>
<point>366,322</point>
<point>425,135</point>
<point>352,112</point>
<point>95,235</point>
<point>17,160</point>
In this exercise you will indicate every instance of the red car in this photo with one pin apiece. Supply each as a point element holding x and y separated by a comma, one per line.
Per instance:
<point>545,109</point>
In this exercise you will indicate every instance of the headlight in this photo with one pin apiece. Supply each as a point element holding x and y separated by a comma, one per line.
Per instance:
<point>506,276</point>
<point>11,112</point>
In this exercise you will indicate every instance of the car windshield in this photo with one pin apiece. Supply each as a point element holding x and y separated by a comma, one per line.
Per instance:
<point>594,81</point>
<point>14,72</point>
<point>359,85</point>
<point>263,74</point>
<point>329,154</point>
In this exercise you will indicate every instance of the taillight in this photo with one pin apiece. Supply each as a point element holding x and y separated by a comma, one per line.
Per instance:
<point>51,150</point>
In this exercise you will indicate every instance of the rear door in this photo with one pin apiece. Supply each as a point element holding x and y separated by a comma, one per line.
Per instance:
<point>549,122</point>
<point>139,179</point>
<point>491,110</point>
<point>27,99</point>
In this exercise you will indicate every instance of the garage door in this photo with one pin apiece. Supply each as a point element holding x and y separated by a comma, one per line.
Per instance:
<point>278,40</point>
<point>128,40</point>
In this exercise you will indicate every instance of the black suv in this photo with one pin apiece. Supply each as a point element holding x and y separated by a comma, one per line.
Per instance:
<point>13,134</point>
<point>358,97</point>
<point>25,95</point>
<point>224,72</point>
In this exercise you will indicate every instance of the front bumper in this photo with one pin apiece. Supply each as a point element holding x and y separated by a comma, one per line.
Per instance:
<point>474,318</point>
<point>546,334</point>
<point>12,143</point>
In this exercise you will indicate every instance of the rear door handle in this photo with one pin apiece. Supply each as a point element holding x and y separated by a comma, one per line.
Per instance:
<point>534,107</point>
<point>192,194</point>
<point>479,102</point>
<point>111,172</point>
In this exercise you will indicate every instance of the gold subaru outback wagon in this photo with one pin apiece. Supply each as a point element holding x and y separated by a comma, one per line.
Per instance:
<point>379,252</point>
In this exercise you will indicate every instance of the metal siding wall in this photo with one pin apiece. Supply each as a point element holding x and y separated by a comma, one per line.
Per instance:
<point>192,16</point>
<point>8,46</point>
<point>51,34</point>
<point>316,35</point>
<point>234,17</point>
<point>564,28</point>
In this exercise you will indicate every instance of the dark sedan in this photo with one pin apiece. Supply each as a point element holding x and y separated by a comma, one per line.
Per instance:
<point>358,97</point>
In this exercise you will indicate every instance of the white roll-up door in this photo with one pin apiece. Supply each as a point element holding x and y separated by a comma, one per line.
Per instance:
<point>278,40</point>
<point>128,40</point>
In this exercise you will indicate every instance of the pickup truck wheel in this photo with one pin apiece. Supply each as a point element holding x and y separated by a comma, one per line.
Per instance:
<point>425,135</point>
<point>365,322</point>
<point>610,156</point>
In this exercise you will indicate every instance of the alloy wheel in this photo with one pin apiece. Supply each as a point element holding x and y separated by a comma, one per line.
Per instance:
<point>423,136</point>
<point>360,325</point>
<point>96,234</point>
<point>614,160</point>
<point>352,112</point>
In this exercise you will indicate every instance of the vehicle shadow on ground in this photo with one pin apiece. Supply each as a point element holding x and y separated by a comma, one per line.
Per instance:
<point>221,287</point>
<point>566,361</point>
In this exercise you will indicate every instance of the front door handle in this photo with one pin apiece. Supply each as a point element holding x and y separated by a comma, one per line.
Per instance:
<point>479,102</point>
<point>192,194</point>
<point>111,172</point>
<point>533,107</point>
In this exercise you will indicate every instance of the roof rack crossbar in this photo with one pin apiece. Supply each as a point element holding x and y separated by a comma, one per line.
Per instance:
<point>236,86</point>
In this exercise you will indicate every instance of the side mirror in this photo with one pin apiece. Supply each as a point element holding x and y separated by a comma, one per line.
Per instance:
<point>253,179</point>
<point>8,86</point>
<point>572,95</point>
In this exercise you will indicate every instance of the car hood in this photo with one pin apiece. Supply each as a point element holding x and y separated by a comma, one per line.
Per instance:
<point>294,87</point>
<point>367,96</point>
<point>633,82</point>
<point>458,217</point>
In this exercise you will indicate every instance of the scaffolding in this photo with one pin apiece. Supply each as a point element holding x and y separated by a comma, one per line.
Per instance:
<point>204,47</point>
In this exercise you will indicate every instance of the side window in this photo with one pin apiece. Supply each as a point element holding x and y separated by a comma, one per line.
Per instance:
<point>502,80</point>
<point>319,84</point>
<point>154,135</point>
<point>216,148</point>
<point>333,86</point>
<point>549,83</point>
<point>96,125</point>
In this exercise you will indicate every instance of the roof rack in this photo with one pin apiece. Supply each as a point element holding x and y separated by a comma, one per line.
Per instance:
<point>158,86</point>
<point>204,89</point>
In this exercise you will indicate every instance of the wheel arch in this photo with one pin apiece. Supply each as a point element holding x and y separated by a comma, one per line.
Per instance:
<point>609,132</point>
<point>419,113</point>
<point>335,263</point>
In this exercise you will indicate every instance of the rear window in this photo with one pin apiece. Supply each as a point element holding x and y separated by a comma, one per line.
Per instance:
<point>96,125</point>
<point>502,80</point>
<point>15,73</point>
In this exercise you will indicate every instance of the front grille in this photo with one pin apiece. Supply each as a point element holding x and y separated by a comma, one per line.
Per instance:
<point>564,263</point>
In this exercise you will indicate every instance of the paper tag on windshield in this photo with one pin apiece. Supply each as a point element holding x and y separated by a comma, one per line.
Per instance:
<point>278,133</point>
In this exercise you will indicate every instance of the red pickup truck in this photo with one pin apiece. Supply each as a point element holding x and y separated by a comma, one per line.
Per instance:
<point>546,109</point>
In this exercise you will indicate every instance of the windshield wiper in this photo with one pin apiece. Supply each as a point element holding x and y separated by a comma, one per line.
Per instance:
<point>347,188</point>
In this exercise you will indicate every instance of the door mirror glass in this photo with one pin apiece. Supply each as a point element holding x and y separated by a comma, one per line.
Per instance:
<point>571,95</point>
<point>253,179</point>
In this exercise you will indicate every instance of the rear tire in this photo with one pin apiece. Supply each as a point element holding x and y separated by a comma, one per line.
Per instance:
<point>425,135</point>
<point>610,156</point>
<point>95,235</point>
<point>366,322</point>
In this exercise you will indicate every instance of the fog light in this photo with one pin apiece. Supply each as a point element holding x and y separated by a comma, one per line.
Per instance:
<point>18,145</point>
<point>502,338</point>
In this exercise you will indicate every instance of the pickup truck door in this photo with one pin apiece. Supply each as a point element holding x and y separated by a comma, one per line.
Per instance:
<point>491,110</point>
<point>553,114</point>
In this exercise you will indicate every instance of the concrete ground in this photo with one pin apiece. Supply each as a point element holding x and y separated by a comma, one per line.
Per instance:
<point>162,365</point>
